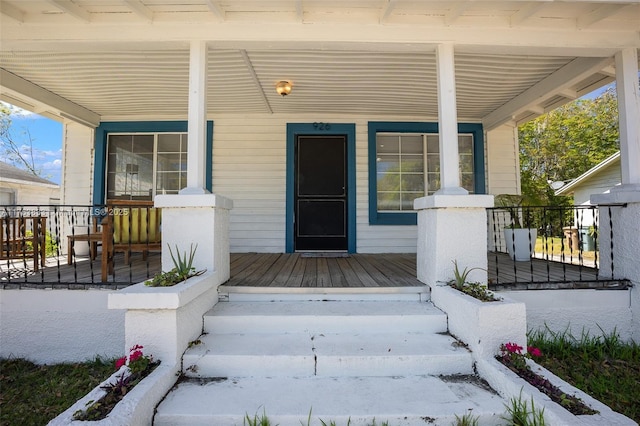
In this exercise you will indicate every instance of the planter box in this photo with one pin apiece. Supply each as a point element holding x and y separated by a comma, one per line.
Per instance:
<point>135,409</point>
<point>520,243</point>
<point>484,326</point>
<point>509,385</point>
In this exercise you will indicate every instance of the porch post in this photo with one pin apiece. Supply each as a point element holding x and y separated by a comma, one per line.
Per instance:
<point>448,122</point>
<point>197,127</point>
<point>629,116</point>
<point>619,239</point>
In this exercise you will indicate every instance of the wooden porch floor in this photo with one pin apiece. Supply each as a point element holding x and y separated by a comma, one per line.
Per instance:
<point>298,270</point>
<point>289,270</point>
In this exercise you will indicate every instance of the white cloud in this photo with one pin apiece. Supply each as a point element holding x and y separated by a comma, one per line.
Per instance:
<point>52,165</point>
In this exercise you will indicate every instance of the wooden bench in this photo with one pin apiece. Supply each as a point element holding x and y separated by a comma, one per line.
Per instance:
<point>130,226</point>
<point>24,237</point>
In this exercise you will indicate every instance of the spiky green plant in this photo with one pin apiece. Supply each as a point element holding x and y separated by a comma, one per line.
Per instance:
<point>467,420</point>
<point>182,269</point>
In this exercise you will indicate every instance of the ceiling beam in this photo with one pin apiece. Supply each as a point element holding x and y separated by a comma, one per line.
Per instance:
<point>12,12</point>
<point>299,11</point>
<point>609,71</point>
<point>256,80</point>
<point>602,12</point>
<point>525,13</point>
<point>32,91</point>
<point>568,93</point>
<point>564,78</point>
<point>140,9</point>
<point>72,9</point>
<point>457,9</point>
<point>215,8</point>
<point>536,109</point>
<point>386,11</point>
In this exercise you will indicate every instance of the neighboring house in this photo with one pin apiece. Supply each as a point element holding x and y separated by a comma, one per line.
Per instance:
<point>597,180</point>
<point>18,186</point>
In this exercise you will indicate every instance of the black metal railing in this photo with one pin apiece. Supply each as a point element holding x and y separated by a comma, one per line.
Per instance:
<point>64,246</point>
<point>547,244</point>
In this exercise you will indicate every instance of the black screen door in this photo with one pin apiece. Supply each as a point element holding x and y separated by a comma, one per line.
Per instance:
<point>320,193</point>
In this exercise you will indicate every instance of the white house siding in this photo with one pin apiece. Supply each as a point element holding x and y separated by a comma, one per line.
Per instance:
<point>503,163</point>
<point>77,160</point>
<point>249,166</point>
<point>600,183</point>
<point>33,193</point>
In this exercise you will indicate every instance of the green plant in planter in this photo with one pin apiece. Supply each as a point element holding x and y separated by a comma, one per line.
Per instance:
<point>473,289</point>
<point>183,269</point>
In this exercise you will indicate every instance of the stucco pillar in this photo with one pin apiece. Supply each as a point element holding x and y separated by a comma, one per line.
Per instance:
<point>448,122</point>
<point>619,238</point>
<point>197,127</point>
<point>165,319</point>
<point>201,220</point>
<point>452,227</point>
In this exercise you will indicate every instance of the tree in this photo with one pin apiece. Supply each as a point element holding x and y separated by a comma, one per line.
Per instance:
<point>566,142</point>
<point>17,150</point>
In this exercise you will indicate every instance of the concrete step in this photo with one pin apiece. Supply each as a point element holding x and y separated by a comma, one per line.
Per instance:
<point>324,317</point>
<point>326,354</point>
<point>319,294</point>
<point>288,401</point>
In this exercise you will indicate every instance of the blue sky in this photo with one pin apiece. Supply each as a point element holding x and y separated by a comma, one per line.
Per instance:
<point>46,135</point>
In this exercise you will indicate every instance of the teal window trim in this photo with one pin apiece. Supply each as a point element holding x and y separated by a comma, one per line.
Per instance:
<point>100,145</point>
<point>411,218</point>
<point>295,129</point>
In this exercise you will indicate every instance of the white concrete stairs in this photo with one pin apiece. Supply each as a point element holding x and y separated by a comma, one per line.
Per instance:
<point>360,360</point>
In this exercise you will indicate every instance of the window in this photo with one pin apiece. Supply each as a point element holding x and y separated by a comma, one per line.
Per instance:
<point>141,165</point>
<point>404,164</point>
<point>408,167</point>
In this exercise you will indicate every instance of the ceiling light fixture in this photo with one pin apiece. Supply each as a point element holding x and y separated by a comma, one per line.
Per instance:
<point>283,87</point>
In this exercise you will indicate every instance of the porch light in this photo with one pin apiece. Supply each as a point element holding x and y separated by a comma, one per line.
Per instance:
<point>283,88</point>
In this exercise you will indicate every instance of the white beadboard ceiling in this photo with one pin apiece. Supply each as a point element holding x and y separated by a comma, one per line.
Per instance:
<point>116,80</point>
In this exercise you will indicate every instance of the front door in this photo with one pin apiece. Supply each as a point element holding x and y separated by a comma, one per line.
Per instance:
<point>320,199</point>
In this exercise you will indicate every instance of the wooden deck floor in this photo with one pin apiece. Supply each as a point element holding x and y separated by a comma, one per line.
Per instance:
<point>293,270</point>
<point>298,270</point>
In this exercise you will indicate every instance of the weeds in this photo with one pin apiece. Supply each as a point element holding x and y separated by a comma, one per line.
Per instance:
<point>519,413</point>
<point>466,420</point>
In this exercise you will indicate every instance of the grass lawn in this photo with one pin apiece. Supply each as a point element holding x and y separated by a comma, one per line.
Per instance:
<point>602,366</point>
<point>553,245</point>
<point>32,395</point>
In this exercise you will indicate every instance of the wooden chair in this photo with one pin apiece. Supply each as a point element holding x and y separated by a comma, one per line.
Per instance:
<point>130,226</point>
<point>93,237</point>
<point>24,237</point>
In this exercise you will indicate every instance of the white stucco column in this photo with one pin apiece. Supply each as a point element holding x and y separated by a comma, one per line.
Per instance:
<point>196,151</point>
<point>621,207</point>
<point>448,122</point>
<point>629,115</point>
<point>452,227</point>
<point>165,319</point>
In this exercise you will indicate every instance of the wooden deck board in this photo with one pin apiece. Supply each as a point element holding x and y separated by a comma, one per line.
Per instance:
<point>294,270</point>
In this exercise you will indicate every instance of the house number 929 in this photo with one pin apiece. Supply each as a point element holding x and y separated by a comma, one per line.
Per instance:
<point>321,126</point>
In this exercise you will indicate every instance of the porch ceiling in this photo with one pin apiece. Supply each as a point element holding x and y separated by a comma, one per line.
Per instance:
<point>127,58</point>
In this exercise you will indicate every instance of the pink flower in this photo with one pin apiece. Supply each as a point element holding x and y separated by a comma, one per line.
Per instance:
<point>513,348</point>
<point>533,351</point>
<point>136,347</point>
<point>120,362</point>
<point>135,355</point>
